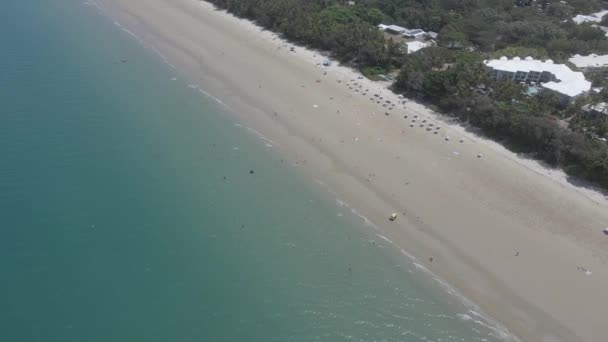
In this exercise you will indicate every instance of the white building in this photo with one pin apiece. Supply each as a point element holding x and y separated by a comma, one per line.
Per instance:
<point>556,77</point>
<point>415,46</point>
<point>410,33</point>
<point>591,61</point>
<point>593,18</point>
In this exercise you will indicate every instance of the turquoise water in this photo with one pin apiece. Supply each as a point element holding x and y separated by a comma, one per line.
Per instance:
<point>128,212</point>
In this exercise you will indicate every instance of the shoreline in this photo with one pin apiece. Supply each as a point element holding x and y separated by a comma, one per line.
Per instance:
<point>341,164</point>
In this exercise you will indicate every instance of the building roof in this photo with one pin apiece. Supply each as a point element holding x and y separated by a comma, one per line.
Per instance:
<point>601,107</point>
<point>415,46</point>
<point>414,32</point>
<point>433,35</point>
<point>570,83</point>
<point>594,17</point>
<point>591,61</point>
<point>395,28</point>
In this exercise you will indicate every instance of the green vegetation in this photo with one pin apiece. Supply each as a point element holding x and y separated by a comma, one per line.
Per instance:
<point>518,51</point>
<point>373,72</point>
<point>452,76</point>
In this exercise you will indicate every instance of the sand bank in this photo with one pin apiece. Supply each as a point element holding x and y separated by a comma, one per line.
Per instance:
<point>515,238</point>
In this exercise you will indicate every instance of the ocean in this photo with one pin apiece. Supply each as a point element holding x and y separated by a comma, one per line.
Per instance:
<point>134,208</point>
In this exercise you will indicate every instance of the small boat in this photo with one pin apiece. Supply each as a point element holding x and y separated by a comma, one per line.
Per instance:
<point>393,217</point>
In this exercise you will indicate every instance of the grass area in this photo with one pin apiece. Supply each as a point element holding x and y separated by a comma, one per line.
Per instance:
<point>373,72</point>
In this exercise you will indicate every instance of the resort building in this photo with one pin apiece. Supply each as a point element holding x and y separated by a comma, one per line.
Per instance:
<point>394,29</point>
<point>556,77</point>
<point>414,33</point>
<point>588,62</point>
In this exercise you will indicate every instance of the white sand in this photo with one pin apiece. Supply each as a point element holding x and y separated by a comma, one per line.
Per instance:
<point>473,215</point>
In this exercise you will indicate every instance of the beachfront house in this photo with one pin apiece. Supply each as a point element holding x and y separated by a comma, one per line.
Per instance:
<point>590,18</point>
<point>589,62</point>
<point>558,78</point>
<point>405,32</point>
<point>596,110</point>
<point>392,29</point>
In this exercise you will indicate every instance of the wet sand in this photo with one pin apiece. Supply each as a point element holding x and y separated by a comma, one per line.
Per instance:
<point>518,240</point>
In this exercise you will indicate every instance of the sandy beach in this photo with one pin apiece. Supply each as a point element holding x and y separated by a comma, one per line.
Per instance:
<point>516,239</point>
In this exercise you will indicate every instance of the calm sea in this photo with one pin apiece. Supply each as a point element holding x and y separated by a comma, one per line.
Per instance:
<point>128,211</point>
